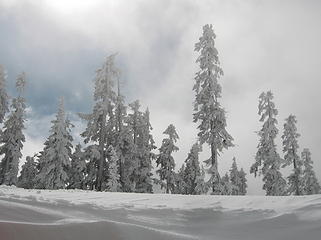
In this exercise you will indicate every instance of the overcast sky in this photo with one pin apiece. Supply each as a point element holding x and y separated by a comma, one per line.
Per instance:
<point>262,45</point>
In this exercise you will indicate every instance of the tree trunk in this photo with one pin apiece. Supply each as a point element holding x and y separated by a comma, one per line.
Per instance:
<point>213,161</point>
<point>102,153</point>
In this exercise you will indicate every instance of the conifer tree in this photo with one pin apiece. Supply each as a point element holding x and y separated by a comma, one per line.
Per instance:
<point>92,156</point>
<point>12,138</point>
<point>243,184</point>
<point>100,123</point>
<point>4,105</point>
<point>235,178</point>
<point>145,146</point>
<point>27,174</point>
<point>201,186</point>
<point>290,149</point>
<point>226,185</point>
<point>165,160</point>
<point>267,158</point>
<point>123,143</point>
<point>180,186</point>
<point>310,184</point>
<point>134,123</point>
<point>77,172</point>
<point>192,170</point>
<point>113,184</point>
<point>57,153</point>
<point>208,112</point>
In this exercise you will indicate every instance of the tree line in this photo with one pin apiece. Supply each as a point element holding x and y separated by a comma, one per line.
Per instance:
<point>118,152</point>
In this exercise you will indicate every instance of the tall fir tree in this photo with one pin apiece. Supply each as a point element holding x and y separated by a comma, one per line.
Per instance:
<point>123,143</point>
<point>235,178</point>
<point>310,184</point>
<point>145,146</point>
<point>12,138</point>
<point>53,172</point>
<point>113,184</point>
<point>77,172</point>
<point>267,157</point>
<point>165,160</point>
<point>290,149</point>
<point>243,184</point>
<point>4,103</point>
<point>28,173</point>
<point>192,170</point>
<point>100,123</point>
<point>207,109</point>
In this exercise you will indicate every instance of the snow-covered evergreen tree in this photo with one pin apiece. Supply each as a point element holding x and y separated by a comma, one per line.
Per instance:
<point>92,156</point>
<point>134,123</point>
<point>4,105</point>
<point>123,143</point>
<point>201,186</point>
<point>77,172</point>
<point>243,184</point>
<point>57,153</point>
<point>192,170</point>
<point>12,137</point>
<point>207,109</point>
<point>267,157</point>
<point>310,184</point>
<point>226,185</point>
<point>180,186</point>
<point>113,184</point>
<point>235,178</point>
<point>145,146</point>
<point>290,149</point>
<point>165,160</point>
<point>100,123</point>
<point>28,173</point>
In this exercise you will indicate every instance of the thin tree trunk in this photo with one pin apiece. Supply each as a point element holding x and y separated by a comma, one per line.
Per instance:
<point>102,155</point>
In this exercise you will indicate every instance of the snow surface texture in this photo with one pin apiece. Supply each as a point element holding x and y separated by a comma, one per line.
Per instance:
<point>75,214</point>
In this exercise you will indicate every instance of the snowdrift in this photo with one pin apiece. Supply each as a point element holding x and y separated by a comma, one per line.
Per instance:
<point>74,214</point>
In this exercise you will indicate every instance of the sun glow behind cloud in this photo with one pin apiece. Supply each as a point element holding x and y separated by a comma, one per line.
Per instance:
<point>68,7</point>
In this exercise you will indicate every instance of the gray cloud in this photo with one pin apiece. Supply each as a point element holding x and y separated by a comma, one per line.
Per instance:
<point>263,45</point>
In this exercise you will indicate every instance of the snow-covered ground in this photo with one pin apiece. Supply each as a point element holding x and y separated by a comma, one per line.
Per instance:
<point>62,214</point>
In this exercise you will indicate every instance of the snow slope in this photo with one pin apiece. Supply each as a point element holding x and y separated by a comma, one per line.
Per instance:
<point>73,214</point>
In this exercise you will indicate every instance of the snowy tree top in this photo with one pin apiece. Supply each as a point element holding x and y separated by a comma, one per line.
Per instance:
<point>171,131</point>
<point>21,82</point>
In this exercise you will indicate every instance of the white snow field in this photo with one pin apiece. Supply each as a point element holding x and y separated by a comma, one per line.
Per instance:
<point>73,214</point>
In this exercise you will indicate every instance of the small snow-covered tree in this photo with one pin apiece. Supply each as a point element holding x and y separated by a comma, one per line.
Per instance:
<point>27,174</point>
<point>207,109</point>
<point>100,123</point>
<point>243,184</point>
<point>12,137</point>
<point>267,157</point>
<point>226,185</point>
<point>310,184</point>
<point>235,178</point>
<point>290,149</point>
<point>4,105</point>
<point>201,186</point>
<point>57,153</point>
<point>180,185</point>
<point>113,184</point>
<point>165,160</point>
<point>77,172</point>
<point>192,170</point>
